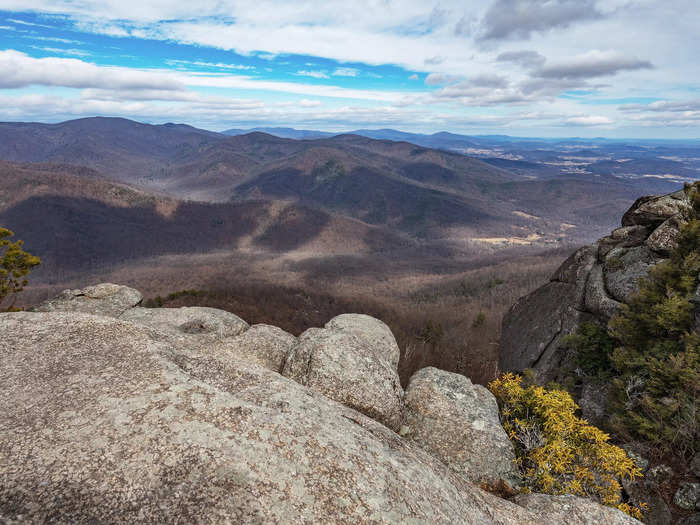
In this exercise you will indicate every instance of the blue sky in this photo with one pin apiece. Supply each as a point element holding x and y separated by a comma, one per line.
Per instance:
<point>618,68</point>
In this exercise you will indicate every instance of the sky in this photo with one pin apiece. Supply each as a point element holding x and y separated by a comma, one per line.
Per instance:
<point>549,68</point>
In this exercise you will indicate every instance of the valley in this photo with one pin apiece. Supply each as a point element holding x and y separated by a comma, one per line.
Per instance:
<point>292,231</point>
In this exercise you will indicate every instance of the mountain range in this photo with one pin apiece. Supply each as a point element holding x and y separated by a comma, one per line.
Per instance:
<point>96,191</point>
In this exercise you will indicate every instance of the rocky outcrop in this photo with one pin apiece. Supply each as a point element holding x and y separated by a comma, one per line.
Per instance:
<point>353,360</point>
<point>139,420</point>
<point>570,510</point>
<point>102,299</point>
<point>457,422</point>
<point>263,344</point>
<point>195,327</point>
<point>590,286</point>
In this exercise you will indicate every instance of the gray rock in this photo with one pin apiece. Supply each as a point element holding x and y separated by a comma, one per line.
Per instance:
<point>598,302</point>
<point>533,328</point>
<point>633,451</point>
<point>569,510</point>
<point>659,473</point>
<point>693,519</point>
<point>664,239</point>
<point>687,496</point>
<point>534,324</point>
<point>350,366</point>
<point>622,280</point>
<point>102,421</point>
<point>262,344</point>
<point>624,237</point>
<point>102,299</point>
<point>374,331</point>
<point>193,326</point>
<point>645,491</point>
<point>653,211</point>
<point>593,402</point>
<point>458,422</point>
<point>633,235</point>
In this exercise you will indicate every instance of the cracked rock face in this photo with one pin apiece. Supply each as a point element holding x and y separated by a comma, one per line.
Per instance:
<point>590,286</point>
<point>104,420</point>
<point>458,422</point>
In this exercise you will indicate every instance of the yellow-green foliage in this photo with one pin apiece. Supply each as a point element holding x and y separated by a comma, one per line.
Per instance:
<point>557,452</point>
<point>15,265</point>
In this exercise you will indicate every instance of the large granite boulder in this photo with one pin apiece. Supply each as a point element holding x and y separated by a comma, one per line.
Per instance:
<point>590,286</point>
<point>106,421</point>
<point>193,326</point>
<point>458,423</point>
<point>652,211</point>
<point>353,360</point>
<point>263,344</point>
<point>101,299</point>
<point>622,269</point>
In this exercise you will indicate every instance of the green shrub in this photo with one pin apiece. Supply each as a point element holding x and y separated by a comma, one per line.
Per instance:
<point>15,265</point>
<point>593,348</point>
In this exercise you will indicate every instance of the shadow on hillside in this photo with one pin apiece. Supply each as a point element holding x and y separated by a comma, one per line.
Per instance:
<point>72,234</point>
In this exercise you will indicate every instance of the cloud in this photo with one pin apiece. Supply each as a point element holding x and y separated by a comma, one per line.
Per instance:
<point>63,51</point>
<point>305,103</point>
<point>489,81</point>
<point>592,64</point>
<point>518,19</point>
<point>527,59</point>
<point>346,72</point>
<point>434,61</point>
<point>219,65</point>
<point>590,120</point>
<point>436,79</point>
<point>52,39</point>
<point>25,23</point>
<point>665,105</point>
<point>314,74</point>
<point>20,70</point>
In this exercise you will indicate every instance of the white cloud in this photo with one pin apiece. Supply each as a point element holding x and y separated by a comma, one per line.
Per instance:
<point>472,45</point>
<point>346,72</point>
<point>63,51</point>
<point>306,103</point>
<point>314,74</point>
<point>200,63</point>
<point>20,70</point>
<point>590,120</point>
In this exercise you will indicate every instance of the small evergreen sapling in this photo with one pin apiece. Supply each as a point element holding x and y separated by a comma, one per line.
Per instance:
<point>15,265</point>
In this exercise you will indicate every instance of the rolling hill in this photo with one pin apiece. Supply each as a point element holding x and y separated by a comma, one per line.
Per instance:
<point>411,190</point>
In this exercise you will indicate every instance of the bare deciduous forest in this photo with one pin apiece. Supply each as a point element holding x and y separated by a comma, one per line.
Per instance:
<point>443,313</point>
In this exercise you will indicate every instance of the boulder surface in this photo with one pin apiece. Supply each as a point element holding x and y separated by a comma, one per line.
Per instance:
<point>353,360</point>
<point>457,422</point>
<point>104,420</point>
<point>102,299</point>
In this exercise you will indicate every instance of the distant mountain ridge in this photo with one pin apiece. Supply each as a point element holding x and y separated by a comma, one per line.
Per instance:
<point>414,190</point>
